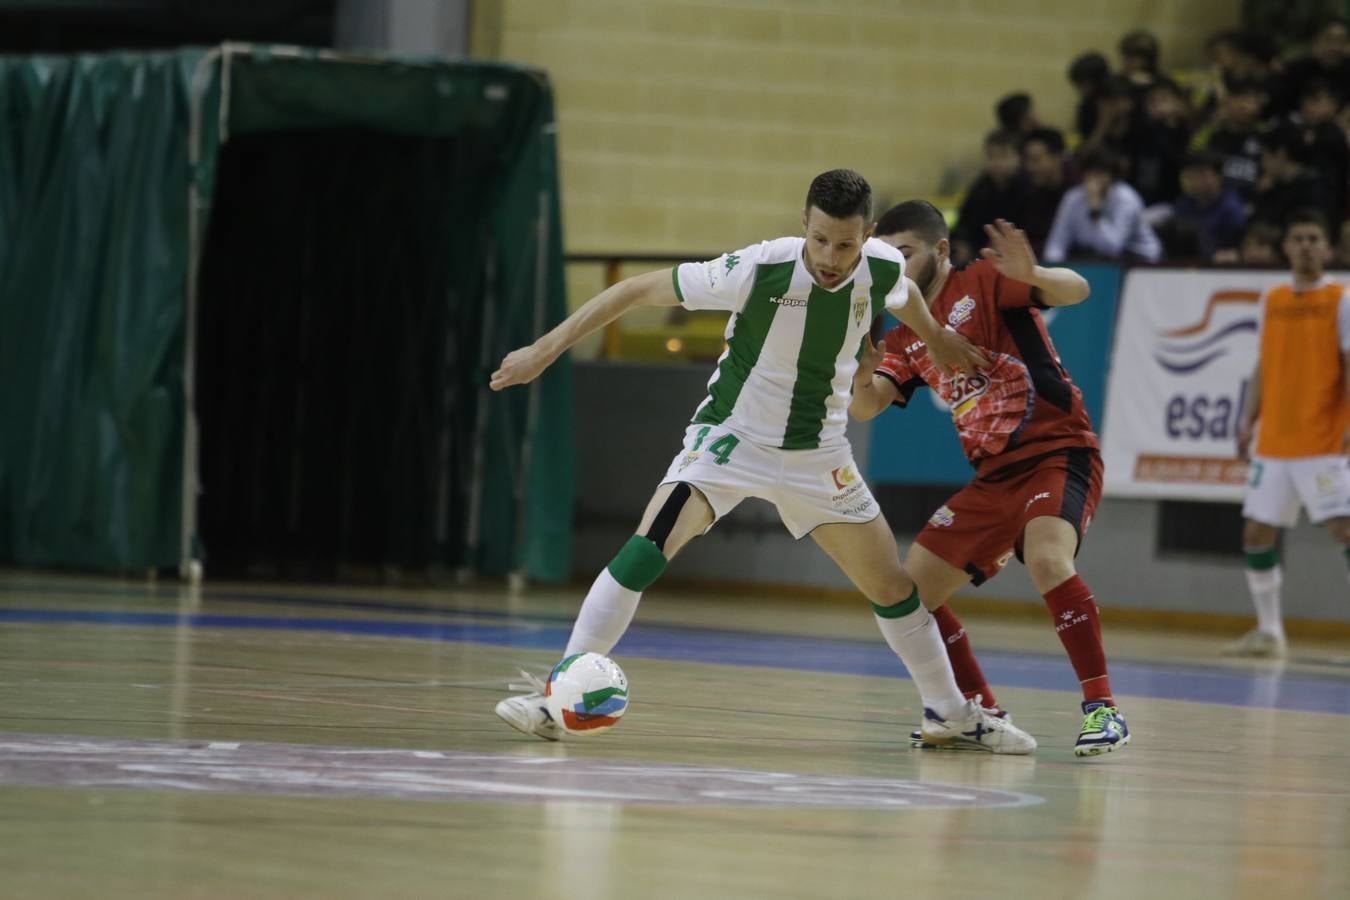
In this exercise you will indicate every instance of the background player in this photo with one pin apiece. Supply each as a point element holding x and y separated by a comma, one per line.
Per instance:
<point>772,426</point>
<point>1022,424</point>
<point>1299,394</point>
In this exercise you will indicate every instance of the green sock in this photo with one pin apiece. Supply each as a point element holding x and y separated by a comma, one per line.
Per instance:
<point>906,606</point>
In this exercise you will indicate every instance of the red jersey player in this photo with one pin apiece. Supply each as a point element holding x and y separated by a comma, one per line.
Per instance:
<point>1023,426</point>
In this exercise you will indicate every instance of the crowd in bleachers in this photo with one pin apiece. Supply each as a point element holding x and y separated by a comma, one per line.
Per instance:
<point>1193,167</point>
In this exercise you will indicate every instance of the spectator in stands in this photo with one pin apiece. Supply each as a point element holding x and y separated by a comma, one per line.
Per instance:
<point>1288,182</point>
<point>1016,114</point>
<point>1328,151</point>
<point>1260,247</point>
<point>1088,73</point>
<point>1157,144</point>
<point>1043,165</point>
<point>1115,111</point>
<point>1328,59</point>
<point>998,193</point>
<point>1235,134</point>
<point>1208,208</point>
<point>1139,59</point>
<point>1101,217</point>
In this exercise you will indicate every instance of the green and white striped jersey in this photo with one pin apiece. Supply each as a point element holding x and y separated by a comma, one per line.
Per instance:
<point>792,346</point>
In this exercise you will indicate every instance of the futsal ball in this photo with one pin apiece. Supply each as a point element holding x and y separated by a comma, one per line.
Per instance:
<point>586,693</point>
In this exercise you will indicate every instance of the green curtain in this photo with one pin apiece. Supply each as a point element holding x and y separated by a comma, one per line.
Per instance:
<point>95,245</point>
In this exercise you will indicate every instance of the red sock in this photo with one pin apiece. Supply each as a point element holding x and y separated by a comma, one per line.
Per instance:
<point>969,678</point>
<point>1080,631</point>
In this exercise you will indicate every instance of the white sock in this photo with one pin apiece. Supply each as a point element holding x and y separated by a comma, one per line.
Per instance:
<point>1264,585</point>
<point>604,616</point>
<point>916,640</point>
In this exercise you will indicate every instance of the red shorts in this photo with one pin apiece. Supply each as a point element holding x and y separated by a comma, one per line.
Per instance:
<point>980,528</point>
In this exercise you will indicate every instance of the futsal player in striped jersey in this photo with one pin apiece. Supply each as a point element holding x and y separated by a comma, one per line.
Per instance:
<point>1023,426</point>
<point>772,426</point>
<point>1299,392</point>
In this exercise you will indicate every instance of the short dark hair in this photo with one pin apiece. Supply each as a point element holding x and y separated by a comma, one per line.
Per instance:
<point>1142,44</point>
<point>1000,138</point>
<point>1100,159</point>
<point>1089,68</point>
<point>1204,159</point>
<point>1307,215</point>
<point>1052,138</point>
<point>919,216</point>
<point>1011,110</point>
<point>1295,142</point>
<point>840,194</point>
<point>1317,87</point>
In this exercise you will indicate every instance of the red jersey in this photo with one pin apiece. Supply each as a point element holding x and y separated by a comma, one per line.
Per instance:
<point>1025,404</point>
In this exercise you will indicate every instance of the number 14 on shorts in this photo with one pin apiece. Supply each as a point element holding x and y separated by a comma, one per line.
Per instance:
<point>720,448</point>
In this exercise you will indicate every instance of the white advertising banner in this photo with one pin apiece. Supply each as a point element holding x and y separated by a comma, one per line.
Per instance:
<point>1185,346</point>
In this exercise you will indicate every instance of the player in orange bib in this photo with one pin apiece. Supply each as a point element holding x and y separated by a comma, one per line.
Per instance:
<point>1300,398</point>
<point>1023,426</point>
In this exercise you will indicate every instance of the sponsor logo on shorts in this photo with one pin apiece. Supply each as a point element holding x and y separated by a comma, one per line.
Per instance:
<point>853,497</point>
<point>843,476</point>
<point>688,460</point>
<point>914,346</point>
<point>943,518</point>
<point>961,312</point>
<point>787,301</point>
<point>1043,495</point>
<point>965,392</point>
<point>1325,482</point>
<point>1003,560</point>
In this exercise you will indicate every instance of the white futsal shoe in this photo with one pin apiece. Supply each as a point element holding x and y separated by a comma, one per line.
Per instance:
<point>1257,644</point>
<point>527,712</point>
<point>974,728</point>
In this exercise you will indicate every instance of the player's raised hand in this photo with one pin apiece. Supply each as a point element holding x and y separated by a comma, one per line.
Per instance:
<point>872,355</point>
<point>1010,251</point>
<point>521,367</point>
<point>951,352</point>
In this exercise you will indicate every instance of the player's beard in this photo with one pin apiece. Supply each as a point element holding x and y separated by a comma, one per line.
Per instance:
<point>924,275</point>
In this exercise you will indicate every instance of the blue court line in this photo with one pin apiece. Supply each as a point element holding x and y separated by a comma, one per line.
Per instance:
<point>1258,689</point>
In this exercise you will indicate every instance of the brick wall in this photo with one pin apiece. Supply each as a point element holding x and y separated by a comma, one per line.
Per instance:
<point>688,125</point>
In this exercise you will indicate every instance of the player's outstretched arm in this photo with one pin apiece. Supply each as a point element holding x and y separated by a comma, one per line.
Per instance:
<point>524,365</point>
<point>1011,253</point>
<point>949,351</point>
<point>871,393</point>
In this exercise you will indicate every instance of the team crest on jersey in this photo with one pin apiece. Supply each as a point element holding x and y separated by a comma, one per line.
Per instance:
<point>859,309</point>
<point>943,518</point>
<point>1003,560</point>
<point>961,312</point>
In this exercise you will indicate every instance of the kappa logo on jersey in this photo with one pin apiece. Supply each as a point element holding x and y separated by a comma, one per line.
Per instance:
<point>965,392</point>
<point>787,301</point>
<point>1043,495</point>
<point>843,477</point>
<point>859,309</point>
<point>962,311</point>
<point>943,518</point>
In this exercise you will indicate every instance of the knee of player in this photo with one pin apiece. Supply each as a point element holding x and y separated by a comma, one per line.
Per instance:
<point>889,587</point>
<point>1339,529</point>
<point>1048,565</point>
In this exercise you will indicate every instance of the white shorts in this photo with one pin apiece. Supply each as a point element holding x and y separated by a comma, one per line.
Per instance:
<point>809,487</point>
<point>1278,487</point>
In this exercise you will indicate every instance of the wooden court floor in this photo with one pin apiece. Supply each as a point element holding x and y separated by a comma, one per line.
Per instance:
<point>245,741</point>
